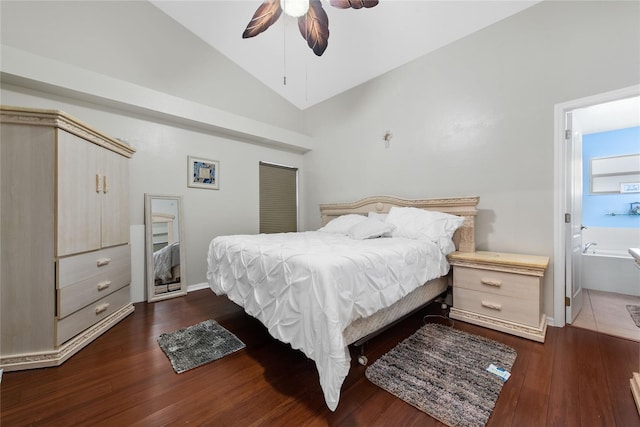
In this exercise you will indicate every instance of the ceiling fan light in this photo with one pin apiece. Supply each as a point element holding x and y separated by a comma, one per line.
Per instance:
<point>295,8</point>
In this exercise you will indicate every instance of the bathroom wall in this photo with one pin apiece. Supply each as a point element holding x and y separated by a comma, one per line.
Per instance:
<point>612,238</point>
<point>597,209</point>
<point>608,266</point>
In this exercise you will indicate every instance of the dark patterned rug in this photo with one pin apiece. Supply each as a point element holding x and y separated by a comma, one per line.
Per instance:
<point>196,345</point>
<point>443,372</point>
<point>634,311</point>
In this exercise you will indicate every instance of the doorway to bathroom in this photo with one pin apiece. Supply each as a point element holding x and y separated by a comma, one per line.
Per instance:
<point>597,222</point>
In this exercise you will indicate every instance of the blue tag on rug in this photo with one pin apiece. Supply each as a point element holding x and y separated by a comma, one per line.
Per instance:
<point>499,372</point>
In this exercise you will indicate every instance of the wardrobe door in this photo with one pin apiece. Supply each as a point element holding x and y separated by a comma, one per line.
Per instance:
<point>27,308</point>
<point>79,192</point>
<point>115,199</point>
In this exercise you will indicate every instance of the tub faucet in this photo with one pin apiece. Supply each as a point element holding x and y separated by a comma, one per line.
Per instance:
<point>587,246</point>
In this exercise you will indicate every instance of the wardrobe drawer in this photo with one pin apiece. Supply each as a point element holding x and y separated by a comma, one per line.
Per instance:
<point>81,267</point>
<point>498,283</point>
<point>74,297</point>
<point>72,325</point>
<point>502,307</point>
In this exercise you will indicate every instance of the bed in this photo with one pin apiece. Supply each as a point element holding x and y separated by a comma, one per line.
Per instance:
<point>166,253</point>
<point>323,290</point>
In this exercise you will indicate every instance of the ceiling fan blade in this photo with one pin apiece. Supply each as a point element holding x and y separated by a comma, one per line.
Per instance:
<point>314,27</point>
<point>266,14</point>
<point>354,4</point>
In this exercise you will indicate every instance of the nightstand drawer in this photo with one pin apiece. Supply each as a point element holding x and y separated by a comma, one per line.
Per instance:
<point>499,306</point>
<point>498,283</point>
<point>501,291</point>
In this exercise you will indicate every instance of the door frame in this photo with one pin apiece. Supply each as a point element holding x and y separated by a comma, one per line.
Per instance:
<point>562,188</point>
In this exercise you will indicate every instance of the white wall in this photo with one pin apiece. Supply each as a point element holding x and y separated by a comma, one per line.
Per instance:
<point>476,118</point>
<point>169,207</point>
<point>473,118</point>
<point>159,166</point>
<point>612,238</point>
<point>134,41</point>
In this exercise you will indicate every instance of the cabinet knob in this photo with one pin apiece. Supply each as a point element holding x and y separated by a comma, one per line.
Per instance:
<point>489,282</point>
<point>102,307</point>
<point>103,261</point>
<point>104,285</point>
<point>491,305</point>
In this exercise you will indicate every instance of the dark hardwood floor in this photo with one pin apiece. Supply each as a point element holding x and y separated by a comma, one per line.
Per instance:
<point>577,378</point>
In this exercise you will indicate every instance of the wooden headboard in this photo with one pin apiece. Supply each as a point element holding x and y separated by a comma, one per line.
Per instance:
<point>162,227</point>
<point>464,238</point>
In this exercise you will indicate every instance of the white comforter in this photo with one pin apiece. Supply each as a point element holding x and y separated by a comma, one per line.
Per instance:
<point>164,260</point>
<point>307,287</point>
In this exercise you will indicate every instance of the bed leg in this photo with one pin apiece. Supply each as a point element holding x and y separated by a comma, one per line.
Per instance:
<point>362,359</point>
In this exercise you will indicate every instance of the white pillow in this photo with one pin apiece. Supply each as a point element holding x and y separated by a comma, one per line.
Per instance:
<point>378,216</point>
<point>446,245</point>
<point>370,229</point>
<point>342,224</point>
<point>414,223</point>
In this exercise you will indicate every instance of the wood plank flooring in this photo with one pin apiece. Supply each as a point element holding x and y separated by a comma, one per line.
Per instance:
<point>577,378</point>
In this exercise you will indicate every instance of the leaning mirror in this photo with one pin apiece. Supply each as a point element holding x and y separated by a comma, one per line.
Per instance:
<point>164,239</point>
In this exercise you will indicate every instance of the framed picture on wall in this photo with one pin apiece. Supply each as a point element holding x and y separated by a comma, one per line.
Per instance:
<point>630,187</point>
<point>203,173</point>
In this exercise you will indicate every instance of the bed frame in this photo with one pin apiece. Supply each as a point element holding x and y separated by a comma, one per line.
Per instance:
<point>363,329</point>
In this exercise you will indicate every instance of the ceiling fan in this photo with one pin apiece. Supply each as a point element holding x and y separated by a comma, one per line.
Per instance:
<point>313,22</point>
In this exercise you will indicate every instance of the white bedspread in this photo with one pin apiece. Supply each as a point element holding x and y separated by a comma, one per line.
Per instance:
<point>307,287</point>
<point>164,260</point>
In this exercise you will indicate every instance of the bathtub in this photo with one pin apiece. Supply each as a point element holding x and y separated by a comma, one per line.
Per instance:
<point>611,271</point>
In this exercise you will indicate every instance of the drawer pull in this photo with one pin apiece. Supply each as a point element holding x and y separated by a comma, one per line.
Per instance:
<point>104,285</point>
<point>491,305</point>
<point>97,183</point>
<point>102,307</point>
<point>489,282</point>
<point>103,261</point>
<point>104,185</point>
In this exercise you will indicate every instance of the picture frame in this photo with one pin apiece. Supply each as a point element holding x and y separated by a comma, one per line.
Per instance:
<point>629,187</point>
<point>203,173</point>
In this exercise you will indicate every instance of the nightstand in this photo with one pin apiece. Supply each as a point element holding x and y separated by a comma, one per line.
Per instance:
<point>500,291</point>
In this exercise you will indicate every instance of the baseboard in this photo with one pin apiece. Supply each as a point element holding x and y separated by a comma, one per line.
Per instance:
<point>635,389</point>
<point>59,355</point>
<point>197,287</point>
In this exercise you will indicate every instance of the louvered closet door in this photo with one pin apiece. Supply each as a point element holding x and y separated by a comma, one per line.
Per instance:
<point>78,202</point>
<point>115,200</point>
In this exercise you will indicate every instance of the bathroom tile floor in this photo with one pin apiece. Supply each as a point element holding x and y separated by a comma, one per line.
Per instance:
<point>606,312</point>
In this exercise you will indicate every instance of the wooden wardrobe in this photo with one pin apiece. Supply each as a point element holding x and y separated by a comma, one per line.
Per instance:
<point>65,255</point>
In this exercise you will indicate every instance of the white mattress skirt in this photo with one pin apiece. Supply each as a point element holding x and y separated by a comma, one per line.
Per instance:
<point>360,328</point>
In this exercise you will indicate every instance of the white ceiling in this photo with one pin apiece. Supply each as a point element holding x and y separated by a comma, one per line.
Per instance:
<point>363,44</point>
<point>621,114</point>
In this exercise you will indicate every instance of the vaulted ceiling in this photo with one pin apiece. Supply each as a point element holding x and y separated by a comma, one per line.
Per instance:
<point>363,44</point>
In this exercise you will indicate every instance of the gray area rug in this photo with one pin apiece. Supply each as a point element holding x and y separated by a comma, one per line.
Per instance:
<point>634,311</point>
<point>197,345</point>
<point>442,371</point>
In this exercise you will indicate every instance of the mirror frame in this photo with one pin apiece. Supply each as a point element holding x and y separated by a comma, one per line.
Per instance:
<point>151,295</point>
